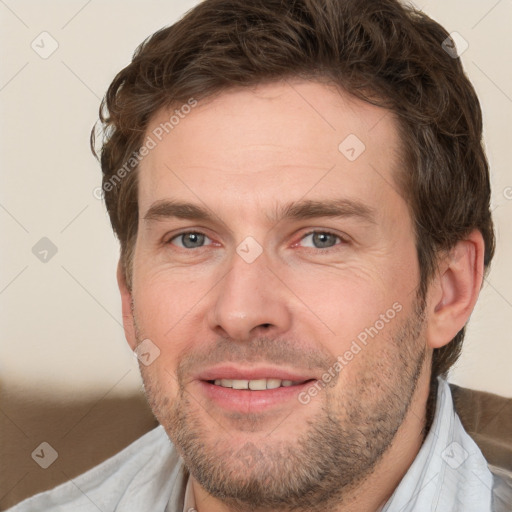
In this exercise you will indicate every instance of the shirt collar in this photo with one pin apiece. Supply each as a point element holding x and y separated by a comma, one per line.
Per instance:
<point>449,472</point>
<point>190,502</point>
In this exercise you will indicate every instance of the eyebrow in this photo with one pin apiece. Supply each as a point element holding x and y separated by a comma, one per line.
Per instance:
<point>301,210</point>
<point>308,209</point>
<point>164,209</point>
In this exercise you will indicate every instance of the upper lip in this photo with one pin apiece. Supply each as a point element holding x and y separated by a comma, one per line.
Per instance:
<point>252,373</point>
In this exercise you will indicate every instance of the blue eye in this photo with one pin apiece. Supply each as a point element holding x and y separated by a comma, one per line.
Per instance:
<point>321,239</point>
<point>190,240</point>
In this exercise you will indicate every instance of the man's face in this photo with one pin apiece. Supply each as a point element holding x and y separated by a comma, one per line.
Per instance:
<point>274,250</point>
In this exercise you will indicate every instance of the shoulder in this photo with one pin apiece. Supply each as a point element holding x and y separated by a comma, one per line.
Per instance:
<point>487,418</point>
<point>150,458</point>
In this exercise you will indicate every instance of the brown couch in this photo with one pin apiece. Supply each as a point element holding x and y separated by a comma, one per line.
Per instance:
<point>84,433</point>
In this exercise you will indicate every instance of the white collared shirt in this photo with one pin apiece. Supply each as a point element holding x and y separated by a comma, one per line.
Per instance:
<point>449,474</point>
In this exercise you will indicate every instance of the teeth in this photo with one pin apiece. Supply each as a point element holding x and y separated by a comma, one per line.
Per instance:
<point>256,384</point>
<point>240,384</point>
<point>273,383</point>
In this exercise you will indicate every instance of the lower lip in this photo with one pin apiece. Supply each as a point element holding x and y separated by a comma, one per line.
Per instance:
<point>248,401</point>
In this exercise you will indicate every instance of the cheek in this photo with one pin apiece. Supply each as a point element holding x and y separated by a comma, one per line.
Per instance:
<point>165,296</point>
<point>346,300</point>
<point>163,305</point>
<point>356,305</point>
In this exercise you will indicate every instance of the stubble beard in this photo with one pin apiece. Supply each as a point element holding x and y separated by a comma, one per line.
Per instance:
<point>338,449</point>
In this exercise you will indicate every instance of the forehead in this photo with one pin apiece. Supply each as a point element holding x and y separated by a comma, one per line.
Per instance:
<point>271,142</point>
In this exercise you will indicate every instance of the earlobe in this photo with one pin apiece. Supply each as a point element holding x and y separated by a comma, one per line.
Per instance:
<point>126,302</point>
<point>454,291</point>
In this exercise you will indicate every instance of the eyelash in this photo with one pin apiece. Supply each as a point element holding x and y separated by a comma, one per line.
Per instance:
<point>342,240</point>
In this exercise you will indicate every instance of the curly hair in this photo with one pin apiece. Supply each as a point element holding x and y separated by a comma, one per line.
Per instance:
<point>381,51</point>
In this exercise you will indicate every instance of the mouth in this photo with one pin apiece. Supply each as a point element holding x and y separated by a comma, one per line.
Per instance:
<point>256,384</point>
<point>252,390</point>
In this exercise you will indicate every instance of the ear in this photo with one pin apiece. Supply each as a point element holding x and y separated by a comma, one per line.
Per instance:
<point>453,293</point>
<point>126,301</point>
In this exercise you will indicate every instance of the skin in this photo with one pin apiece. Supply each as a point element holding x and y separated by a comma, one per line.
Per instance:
<point>242,156</point>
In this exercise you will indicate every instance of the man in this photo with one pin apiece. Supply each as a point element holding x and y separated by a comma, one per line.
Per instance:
<point>302,201</point>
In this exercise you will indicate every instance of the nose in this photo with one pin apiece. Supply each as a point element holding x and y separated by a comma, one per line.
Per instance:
<point>250,301</point>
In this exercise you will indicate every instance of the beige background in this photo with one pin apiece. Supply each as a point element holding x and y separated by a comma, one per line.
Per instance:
<point>61,320</point>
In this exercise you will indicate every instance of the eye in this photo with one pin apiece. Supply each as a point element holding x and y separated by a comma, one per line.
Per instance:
<point>189,240</point>
<point>320,240</point>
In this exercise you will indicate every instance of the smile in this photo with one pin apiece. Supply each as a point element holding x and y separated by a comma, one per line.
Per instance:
<point>255,384</point>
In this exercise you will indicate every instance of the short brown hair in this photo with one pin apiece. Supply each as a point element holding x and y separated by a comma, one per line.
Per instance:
<point>381,51</point>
